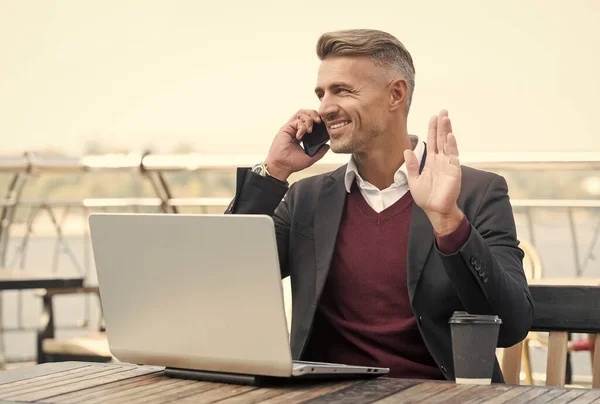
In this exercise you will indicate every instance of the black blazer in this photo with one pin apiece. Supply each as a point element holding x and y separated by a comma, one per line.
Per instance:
<point>485,277</point>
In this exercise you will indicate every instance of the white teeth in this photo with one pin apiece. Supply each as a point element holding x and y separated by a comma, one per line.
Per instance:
<point>339,125</point>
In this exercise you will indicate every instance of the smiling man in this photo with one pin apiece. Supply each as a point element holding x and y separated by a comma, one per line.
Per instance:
<point>383,250</point>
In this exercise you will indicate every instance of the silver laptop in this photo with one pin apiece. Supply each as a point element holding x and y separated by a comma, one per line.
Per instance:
<point>200,295</point>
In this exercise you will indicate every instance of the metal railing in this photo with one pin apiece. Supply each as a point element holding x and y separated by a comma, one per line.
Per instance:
<point>154,168</point>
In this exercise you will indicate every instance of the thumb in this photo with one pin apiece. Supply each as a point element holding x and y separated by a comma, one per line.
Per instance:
<point>412,164</point>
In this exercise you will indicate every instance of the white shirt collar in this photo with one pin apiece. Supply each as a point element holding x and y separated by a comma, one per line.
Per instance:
<point>400,177</point>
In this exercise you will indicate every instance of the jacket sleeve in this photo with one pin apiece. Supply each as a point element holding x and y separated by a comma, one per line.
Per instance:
<point>260,195</point>
<point>487,271</point>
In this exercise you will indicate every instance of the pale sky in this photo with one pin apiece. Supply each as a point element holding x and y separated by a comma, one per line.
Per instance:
<point>225,75</point>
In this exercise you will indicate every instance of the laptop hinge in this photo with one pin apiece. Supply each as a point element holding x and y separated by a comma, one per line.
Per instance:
<point>218,377</point>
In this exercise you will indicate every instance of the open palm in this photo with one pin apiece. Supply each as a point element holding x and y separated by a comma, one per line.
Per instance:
<point>436,188</point>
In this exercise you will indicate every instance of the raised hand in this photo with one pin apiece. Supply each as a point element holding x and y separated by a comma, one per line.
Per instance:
<point>436,188</point>
<point>286,156</point>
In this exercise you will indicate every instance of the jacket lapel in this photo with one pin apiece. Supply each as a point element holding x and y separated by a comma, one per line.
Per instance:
<point>420,242</point>
<point>328,214</point>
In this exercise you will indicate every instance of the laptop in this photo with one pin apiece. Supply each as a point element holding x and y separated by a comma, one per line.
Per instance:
<point>200,295</point>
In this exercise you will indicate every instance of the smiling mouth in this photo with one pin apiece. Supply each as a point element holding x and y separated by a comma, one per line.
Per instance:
<point>339,125</point>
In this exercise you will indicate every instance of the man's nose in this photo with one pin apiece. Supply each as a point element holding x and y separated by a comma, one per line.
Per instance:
<point>328,108</point>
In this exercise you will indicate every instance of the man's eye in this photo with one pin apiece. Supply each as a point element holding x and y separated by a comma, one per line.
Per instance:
<point>341,90</point>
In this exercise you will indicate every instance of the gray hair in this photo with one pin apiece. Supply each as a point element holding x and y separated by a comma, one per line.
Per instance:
<point>382,48</point>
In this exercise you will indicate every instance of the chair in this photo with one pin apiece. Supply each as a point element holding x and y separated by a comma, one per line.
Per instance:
<point>518,355</point>
<point>532,264</point>
<point>92,347</point>
<point>559,310</point>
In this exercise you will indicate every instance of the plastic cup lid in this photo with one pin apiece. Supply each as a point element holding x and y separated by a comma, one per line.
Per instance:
<point>462,317</point>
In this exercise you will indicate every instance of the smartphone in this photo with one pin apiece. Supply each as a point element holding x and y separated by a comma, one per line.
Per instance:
<point>313,141</point>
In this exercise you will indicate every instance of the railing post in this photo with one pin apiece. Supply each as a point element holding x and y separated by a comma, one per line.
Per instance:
<point>160,186</point>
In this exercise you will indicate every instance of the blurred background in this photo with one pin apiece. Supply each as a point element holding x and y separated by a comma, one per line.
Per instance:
<point>151,105</point>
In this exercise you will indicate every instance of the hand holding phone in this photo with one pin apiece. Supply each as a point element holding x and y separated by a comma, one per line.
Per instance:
<point>312,142</point>
<point>294,148</point>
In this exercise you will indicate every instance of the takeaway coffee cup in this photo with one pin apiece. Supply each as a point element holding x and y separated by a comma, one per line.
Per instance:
<point>474,340</point>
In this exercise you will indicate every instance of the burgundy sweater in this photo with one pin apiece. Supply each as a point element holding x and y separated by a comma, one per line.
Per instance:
<point>364,316</point>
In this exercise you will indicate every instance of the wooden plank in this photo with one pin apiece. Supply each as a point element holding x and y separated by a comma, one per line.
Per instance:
<point>366,391</point>
<point>95,344</point>
<point>487,394</point>
<point>172,389</point>
<point>124,395</point>
<point>67,291</point>
<point>99,391</point>
<point>478,391</point>
<point>31,372</point>
<point>569,396</point>
<point>181,393</point>
<point>223,392</point>
<point>556,364</point>
<point>91,372</point>
<point>529,395</point>
<point>246,397</point>
<point>79,383</point>
<point>596,364</point>
<point>566,308</point>
<point>49,379</point>
<point>449,394</point>
<point>156,389</point>
<point>509,395</point>
<point>550,395</point>
<point>50,388</point>
<point>417,393</point>
<point>589,397</point>
<point>309,392</point>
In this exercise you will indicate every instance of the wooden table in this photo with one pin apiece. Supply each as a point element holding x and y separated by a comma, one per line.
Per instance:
<point>565,282</point>
<point>11,279</point>
<point>16,279</point>
<point>81,382</point>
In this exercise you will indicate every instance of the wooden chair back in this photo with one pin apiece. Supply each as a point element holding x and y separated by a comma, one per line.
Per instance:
<point>532,262</point>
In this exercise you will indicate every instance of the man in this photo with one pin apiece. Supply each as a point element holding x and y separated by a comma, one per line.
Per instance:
<point>383,250</point>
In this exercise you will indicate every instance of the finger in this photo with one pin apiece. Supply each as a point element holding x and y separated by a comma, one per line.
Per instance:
<point>294,117</point>
<point>442,130</point>
<point>451,147</point>
<point>309,117</point>
<point>300,129</point>
<point>314,115</point>
<point>308,121</point>
<point>449,122</point>
<point>303,113</point>
<point>431,135</point>
<point>412,164</point>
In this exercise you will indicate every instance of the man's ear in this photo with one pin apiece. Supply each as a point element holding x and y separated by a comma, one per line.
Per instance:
<point>398,94</point>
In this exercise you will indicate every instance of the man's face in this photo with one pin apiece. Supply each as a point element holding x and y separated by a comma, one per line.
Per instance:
<point>354,95</point>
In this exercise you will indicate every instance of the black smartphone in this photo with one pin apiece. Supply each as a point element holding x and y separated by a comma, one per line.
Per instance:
<point>313,141</point>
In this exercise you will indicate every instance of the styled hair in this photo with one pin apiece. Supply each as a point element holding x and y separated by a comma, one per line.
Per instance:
<point>382,48</point>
